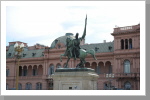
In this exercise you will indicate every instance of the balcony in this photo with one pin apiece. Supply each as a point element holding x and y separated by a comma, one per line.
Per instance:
<point>30,77</point>
<point>121,75</point>
<point>127,75</point>
<point>126,29</point>
<point>49,76</point>
<point>9,77</point>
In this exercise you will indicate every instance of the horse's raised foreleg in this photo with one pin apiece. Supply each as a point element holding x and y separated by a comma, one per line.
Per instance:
<point>83,62</point>
<point>67,62</point>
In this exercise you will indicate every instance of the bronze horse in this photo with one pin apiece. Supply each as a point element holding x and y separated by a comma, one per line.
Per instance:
<point>83,53</point>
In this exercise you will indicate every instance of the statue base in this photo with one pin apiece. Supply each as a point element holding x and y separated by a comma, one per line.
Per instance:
<point>75,79</point>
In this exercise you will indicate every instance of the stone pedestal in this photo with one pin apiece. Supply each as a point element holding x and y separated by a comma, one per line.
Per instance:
<point>75,79</point>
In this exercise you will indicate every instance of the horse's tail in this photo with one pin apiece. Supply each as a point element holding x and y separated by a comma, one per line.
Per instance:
<point>92,52</point>
<point>61,57</point>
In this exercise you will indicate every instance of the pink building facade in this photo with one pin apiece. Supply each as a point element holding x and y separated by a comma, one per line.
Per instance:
<point>117,64</point>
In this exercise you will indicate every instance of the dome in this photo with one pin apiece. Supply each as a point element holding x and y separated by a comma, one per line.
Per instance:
<point>61,39</point>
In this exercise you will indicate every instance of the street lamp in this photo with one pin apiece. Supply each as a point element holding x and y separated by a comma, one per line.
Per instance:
<point>108,76</point>
<point>18,49</point>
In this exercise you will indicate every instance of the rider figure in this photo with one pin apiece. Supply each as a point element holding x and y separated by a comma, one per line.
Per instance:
<point>69,46</point>
<point>73,45</point>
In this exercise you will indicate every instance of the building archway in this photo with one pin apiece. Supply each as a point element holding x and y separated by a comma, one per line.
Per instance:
<point>126,43</point>
<point>127,85</point>
<point>94,66</point>
<point>28,86</point>
<point>101,68</point>
<point>38,86</point>
<point>130,43</point>
<point>30,70</point>
<point>58,65</point>
<point>87,64</point>
<point>35,70</point>
<point>108,68</point>
<point>20,71</point>
<point>122,44</point>
<point>25,71</point>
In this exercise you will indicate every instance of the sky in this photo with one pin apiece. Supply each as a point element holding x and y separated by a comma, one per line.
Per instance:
<point>44,23</point>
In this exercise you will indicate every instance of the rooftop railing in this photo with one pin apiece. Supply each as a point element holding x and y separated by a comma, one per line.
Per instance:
<point>127,28</point>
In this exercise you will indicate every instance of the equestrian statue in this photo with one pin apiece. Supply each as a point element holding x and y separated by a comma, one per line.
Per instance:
<point>74,51</point>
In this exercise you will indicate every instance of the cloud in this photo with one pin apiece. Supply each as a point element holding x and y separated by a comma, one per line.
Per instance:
<point>33,22</point>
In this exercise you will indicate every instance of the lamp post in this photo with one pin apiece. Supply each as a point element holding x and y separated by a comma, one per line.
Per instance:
<point>108,76</point>
<point>18,49</point>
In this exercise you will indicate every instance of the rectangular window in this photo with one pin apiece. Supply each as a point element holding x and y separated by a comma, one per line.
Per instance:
<point>7,72</point>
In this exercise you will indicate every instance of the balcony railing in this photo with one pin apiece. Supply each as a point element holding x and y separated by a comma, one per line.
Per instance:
<point>103,75</point>
<point>121,75</point>
<point>127,28</point>
<point>31,77</point>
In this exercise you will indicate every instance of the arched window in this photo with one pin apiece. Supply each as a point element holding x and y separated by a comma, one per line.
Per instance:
<point>28,86</point>
<point>20,71</point>
<point>126,66</point>
<point>105,86</point>
<point>38,86</point>
<point>127,86</point>
<point>130,43</point>
<point>34,71</point>
<point>58,66</point>
<point>20,86</point>
<point>126,43</point>
<point>7,88</point>
<point>7,72</point>
<point>51,70</point>
<point>122,44</point>
<point>24,71</point>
